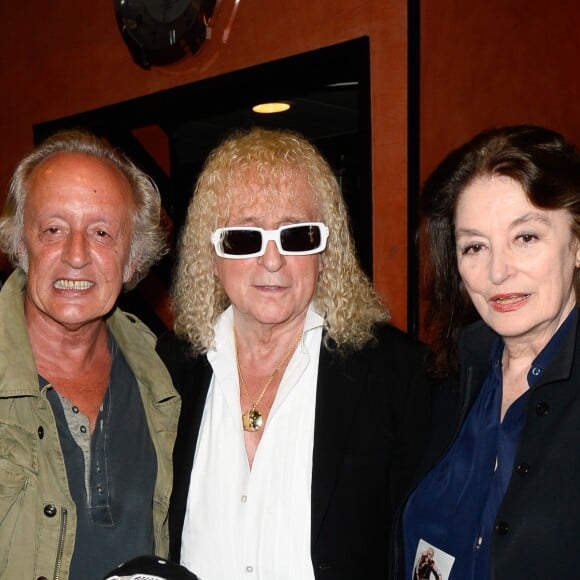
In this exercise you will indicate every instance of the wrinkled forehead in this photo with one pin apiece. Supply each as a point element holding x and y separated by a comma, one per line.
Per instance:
<point>76,171</point>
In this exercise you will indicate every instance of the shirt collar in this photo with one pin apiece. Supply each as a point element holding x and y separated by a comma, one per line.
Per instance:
<point>544,358</point>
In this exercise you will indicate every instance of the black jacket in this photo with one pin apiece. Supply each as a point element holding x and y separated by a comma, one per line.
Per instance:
<point>371,418</point>
<point>537,531</point>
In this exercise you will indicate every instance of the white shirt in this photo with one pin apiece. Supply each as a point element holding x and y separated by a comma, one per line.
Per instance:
<point>243,524</point>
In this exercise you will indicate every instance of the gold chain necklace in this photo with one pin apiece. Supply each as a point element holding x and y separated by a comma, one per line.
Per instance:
<point>252,418</point>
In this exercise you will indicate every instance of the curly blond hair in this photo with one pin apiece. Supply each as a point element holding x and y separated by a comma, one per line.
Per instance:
<point>148,235</point>
<point>344,295</point>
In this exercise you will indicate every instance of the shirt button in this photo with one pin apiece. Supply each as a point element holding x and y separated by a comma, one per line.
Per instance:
<point>83,429</point>
<point>542,409</point>
<point>523,469</point>
<point>249,569</point>
<point>244,498</point>
<point>502,528</point>
<point>536,371</point>
<point>41,432</point>
<point>75,409</point>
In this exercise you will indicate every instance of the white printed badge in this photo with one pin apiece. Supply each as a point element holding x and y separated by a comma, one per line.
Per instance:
<point>431,563</point>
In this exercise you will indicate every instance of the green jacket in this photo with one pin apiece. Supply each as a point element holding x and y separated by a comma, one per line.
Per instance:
<point>37,513</point>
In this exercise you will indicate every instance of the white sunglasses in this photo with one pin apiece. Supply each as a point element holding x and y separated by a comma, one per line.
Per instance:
<point>242,242</point>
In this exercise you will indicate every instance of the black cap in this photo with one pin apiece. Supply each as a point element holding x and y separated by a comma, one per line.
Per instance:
<point>150,568</point>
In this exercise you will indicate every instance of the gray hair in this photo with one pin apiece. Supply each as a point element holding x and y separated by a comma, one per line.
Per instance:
<point>148,236</point>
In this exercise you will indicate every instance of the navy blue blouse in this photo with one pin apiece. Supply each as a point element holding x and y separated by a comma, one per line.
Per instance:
<point>454,507</point>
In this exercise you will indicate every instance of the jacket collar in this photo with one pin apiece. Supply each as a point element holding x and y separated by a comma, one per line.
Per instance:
<point>560,367</point>
<point>18,375</point>
<point>337,392</point>
<point>137,342</point>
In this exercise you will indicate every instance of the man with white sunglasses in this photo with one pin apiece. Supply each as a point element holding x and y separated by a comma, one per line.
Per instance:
<point>295,439</point>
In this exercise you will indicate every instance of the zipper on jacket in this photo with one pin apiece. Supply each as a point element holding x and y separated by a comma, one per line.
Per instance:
<point>61,540</point>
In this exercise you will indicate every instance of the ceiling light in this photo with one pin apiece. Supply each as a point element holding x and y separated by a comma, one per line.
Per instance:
<point>267,108</point>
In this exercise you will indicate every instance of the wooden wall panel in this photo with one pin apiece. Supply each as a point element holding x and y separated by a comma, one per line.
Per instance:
<point>490,62</point>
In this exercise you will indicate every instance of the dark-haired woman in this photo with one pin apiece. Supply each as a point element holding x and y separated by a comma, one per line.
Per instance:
<point>500,493</point>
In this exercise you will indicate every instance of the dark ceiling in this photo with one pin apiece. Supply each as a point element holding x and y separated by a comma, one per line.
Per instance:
<point>325,113</point>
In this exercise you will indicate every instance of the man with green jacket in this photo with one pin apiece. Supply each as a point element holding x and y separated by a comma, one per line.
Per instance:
<point>88,412</point>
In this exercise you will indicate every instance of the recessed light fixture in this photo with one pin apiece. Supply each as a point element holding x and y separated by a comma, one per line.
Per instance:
<point>267,108</point>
